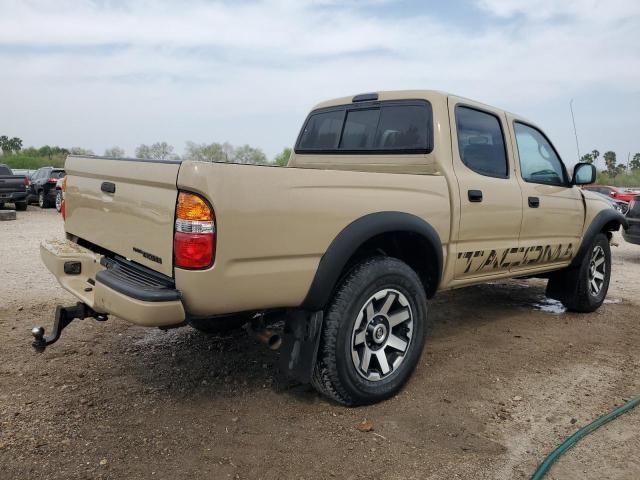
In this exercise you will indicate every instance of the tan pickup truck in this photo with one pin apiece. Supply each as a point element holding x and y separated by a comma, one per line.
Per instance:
<point>387,199</point>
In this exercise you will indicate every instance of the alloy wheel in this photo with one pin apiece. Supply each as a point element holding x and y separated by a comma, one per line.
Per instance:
<point>382,334</point>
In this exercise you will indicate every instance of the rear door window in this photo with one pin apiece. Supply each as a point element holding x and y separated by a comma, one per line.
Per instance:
<point>481,142</point>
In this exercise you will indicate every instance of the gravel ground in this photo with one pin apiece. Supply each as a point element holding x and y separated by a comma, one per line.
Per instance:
<point>507,375</point>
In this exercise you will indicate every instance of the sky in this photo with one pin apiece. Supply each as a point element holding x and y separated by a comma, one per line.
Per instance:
<point>100,73</point>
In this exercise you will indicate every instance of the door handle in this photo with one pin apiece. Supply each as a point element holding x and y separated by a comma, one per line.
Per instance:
<point>534,202</point>
<point>108,187</point>
<point>475,195</point>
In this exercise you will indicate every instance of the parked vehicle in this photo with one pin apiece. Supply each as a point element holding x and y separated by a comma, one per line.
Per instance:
<point>23,171</point>
<point>13,188</point>
<point>632,233</point>
<point>43,186</point>
<point>613,192</point>
<point>619,205</point>
<point>388,198</point>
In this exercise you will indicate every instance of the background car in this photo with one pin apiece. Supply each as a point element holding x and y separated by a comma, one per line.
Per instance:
<point>613,192</point>
<point>43,186</point>
<point>619,205</point>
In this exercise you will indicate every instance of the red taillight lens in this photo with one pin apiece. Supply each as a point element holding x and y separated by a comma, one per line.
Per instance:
<point>193,250</point>
<point>194,242</point>
<point>26,181</point>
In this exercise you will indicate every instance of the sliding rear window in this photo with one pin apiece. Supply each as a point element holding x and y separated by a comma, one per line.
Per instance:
<point>378,127</point>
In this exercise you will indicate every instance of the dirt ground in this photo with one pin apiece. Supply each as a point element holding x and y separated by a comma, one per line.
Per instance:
<point>506,376</point>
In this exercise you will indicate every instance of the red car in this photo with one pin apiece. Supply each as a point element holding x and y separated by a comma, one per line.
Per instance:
<point>612,192</point>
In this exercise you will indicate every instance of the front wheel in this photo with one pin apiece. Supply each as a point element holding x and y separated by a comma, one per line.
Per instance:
<point>373,334</point>
<point>584,288</point>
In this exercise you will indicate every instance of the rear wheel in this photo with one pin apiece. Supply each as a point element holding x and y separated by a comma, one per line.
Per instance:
<point>58,200</point>
<point>42,200</point>
<point>21,206</point>
<point>373,334</point>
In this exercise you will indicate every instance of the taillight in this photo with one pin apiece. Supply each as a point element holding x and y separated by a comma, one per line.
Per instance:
<point>26,182</point>
<point>194,241</point>
<point>52,180</point>
<point>632,204</point>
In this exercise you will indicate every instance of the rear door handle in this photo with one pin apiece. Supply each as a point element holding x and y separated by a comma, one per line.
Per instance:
<point>108,187</point>
<point>534,202</point>
<point>475,195</point>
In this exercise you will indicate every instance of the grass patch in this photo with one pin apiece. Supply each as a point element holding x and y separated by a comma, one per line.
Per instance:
<point>33,162</point>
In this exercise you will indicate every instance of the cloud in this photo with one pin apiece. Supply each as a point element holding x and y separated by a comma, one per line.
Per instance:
<point>205,71</point>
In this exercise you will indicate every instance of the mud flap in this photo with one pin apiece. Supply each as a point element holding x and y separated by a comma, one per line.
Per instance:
<point>563,284</point>
<point>300,343</point>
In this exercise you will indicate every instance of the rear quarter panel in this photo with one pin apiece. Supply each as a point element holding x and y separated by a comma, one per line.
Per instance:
<point>274,224</point>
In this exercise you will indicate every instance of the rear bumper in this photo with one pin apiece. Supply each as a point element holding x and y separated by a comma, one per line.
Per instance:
<point>632,233</point>
<point>13,197</point>
<point>115,287</point>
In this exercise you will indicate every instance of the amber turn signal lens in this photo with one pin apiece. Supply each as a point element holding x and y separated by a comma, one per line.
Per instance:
<point>192,207</point>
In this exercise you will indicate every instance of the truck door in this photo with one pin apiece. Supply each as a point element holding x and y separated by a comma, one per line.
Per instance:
<point>490,196</point>
<point>553,209</point>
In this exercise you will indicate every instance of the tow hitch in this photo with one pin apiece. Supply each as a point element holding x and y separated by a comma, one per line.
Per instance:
<point>63,317</point>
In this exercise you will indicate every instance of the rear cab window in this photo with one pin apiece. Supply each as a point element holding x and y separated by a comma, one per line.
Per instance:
<point>397,126</point>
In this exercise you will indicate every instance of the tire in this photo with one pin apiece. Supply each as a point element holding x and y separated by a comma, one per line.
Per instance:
<point>358,320</point>
<point>21,206</point>
<point>222,324</point>
<point>581,289</point>
<point>58,200</point>
<point>42,200</point>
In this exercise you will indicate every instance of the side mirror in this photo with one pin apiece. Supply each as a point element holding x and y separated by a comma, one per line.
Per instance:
<point>583,174</point>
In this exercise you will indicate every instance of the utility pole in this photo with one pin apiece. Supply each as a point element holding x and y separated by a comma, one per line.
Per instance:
<point>575,132</point>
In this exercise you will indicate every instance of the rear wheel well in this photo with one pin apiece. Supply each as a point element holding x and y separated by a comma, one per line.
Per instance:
<point>412,248</point>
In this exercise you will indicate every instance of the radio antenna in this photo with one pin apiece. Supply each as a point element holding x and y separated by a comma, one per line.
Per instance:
<point>575,132</point>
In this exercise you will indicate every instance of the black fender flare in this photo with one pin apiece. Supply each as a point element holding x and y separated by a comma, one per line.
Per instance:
<point>352,237</point>
<point>608,220</point>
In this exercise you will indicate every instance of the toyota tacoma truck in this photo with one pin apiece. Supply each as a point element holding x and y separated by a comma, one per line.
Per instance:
<point>13,188</point>
<point>388,198</point>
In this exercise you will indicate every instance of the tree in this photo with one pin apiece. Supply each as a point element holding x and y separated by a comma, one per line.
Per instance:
<point>249,155</point>
<point>610,162</point>
<point>81,151</point>
<point>212,152</point>
<point>156,151</point>
<point>4,144</point>
<point>282,159</point>
<point>634,164</point>
<point>15,144</point>
<point>590,157</point>
<point>114,152</point>
<point>10,145</point>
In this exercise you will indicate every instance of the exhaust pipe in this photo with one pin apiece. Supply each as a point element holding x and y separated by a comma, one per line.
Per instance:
<point>263,335</point>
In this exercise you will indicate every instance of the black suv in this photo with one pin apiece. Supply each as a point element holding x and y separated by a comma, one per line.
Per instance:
<point>43,186</point>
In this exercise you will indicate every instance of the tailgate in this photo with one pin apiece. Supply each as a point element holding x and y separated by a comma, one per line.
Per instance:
<point>11,184</point>
<point>125,206</point>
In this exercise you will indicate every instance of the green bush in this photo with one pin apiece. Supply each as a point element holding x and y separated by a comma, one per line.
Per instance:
<point>33,162</point>
<point>631,179</point>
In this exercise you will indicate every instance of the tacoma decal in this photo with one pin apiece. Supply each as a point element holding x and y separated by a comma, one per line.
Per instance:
<point>486,260</point>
